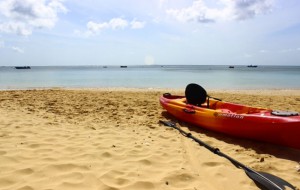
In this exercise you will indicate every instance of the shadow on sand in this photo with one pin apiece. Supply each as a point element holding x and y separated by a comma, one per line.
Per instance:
<point>259,147</point>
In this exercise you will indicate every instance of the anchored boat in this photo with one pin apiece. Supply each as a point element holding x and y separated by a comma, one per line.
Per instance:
<point>23,67</point>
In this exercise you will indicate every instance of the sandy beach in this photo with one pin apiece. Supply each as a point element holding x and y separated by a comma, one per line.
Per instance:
<point>109,139</point>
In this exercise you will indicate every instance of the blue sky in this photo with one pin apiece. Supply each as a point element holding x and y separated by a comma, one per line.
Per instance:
<point>137,32</point>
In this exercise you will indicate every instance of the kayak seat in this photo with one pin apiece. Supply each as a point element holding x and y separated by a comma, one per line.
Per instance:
<point>195,94</point>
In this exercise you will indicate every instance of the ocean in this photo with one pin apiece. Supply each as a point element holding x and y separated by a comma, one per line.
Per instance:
<point>155,76</point>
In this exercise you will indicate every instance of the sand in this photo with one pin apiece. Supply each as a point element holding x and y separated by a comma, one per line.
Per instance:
<point>111,139</point>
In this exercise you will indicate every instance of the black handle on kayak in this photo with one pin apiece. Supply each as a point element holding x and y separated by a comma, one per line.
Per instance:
<point>215,98</point>
<point>189,111</point>
<point>264,180</point>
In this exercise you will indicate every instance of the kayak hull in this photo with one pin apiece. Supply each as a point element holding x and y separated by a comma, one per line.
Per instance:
<point>237,120</point>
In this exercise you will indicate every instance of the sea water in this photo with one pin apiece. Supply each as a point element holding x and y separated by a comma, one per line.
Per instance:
<point>155,76</point>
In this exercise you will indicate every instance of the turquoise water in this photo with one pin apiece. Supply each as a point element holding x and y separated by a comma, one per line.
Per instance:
<point>176,76</point>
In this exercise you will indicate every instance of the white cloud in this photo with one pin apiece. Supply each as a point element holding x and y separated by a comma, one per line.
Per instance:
<point>226,10</point>
<point>114,24</point>
<point>15,27</point>
<point>197,12</point>
<point>118,23</point>
<point>247,9</point>
<point>137,24</point>
<point>96,27</point>
<point>17,49</point>
<point>23,16</point>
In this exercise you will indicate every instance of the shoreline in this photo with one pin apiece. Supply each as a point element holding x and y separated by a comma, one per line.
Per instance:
<point>110,138</point>
<point>149,88</point>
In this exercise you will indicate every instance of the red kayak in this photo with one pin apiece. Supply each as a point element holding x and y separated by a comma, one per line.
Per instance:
<point>237,120</point>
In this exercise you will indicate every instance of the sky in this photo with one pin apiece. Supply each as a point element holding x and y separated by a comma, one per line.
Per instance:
<point>140,32</point>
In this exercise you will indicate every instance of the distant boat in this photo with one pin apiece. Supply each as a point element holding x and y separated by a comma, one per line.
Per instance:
<point>252,66</point>
<point>123,66</point>
<point>23,67</point>
<point>231,67</point>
